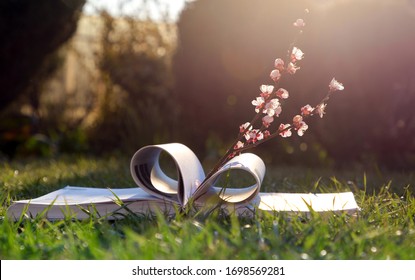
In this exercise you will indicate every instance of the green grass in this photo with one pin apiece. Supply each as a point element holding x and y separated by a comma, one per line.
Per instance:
<point>384,229</point>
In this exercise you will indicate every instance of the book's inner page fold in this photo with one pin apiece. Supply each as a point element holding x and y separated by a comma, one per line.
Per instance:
<point>230,190</point>
<point>147,173</point>
<point>233,195</point>
<point>148,176</point>
<point>162,182</point>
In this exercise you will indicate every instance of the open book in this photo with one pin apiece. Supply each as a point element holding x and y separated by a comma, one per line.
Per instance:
<point>158,192</point>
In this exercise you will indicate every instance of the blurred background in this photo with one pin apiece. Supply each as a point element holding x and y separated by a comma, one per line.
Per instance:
<point>98,77</point>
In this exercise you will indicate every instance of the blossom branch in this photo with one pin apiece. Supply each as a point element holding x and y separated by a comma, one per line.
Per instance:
<point>269,104</point>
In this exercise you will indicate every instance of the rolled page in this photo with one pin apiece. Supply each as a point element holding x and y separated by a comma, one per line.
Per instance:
<point>147,174</point>
<point>249,163</point>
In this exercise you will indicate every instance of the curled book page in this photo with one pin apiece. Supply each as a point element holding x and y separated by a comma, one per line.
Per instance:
<point>183,185</point>
<point>147,174</point>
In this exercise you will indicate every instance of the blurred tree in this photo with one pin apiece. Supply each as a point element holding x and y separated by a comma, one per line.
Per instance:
<point>227,49</point>
<point>136,66</point>
<point>30,32</point>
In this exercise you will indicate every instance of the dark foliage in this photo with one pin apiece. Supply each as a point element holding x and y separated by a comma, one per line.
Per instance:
<point>30,31</point>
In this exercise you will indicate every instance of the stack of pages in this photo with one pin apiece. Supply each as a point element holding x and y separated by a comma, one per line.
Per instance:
<point>158,192</point>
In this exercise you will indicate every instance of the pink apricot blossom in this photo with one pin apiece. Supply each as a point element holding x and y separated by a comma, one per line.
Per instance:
<point>282,93</point>
<point>279,64</point>
<point>299,23</point>
<point>238,145</point>
<point>253,136</point>
<point>292,68</point>
<point>306,110</point>
<point>266,90</point>
<point>299,125</point>
<point>302,129</point>
<point>272,108</point>
<point>244,127</point>
<point>320,109</point>
<point>296,54</point>
<point>297,119</point>
<point>335,85</point>
<point>284,130</point>
<point>258,103</point>
<point>275,75</point>
<point>267,120</point>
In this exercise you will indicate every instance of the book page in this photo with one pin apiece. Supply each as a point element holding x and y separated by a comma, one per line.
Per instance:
<point>147,174</point>
<point>249,163</point>
<point>80,195</point>
<point>70,201</point>
<point>302,202</point>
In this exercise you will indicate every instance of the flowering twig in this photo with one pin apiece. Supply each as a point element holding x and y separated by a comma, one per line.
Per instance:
<point>268,107</point>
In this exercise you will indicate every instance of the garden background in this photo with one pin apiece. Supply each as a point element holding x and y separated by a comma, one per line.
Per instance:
<point>82,88</point>
<point>99,83</point>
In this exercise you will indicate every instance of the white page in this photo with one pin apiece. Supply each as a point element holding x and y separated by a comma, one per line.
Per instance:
<point>300,202</point>
<point>71,195</point>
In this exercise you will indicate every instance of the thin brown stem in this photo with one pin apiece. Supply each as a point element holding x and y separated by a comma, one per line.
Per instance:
<point>232,151</point>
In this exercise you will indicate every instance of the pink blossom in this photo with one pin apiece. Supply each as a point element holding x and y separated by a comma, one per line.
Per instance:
<point>297,120</point>
<point>299,23</point>
<point>282,93</point>
<point>250,135</point>
<point>259,136</point>
<point>279,64</point>
<point>254,135</point>
<point>306,110</point>
<point>299,125</point>
<point>266,90</point>
<point>258,103</point>
<point>267,120</point>
<point>335,85</point>
<point>320,109</point>
<point>296,54</point>
<point>272,108</point>
<point>284,130</point>
<point>266,133</point>
<point>292,68</point>
<point>244,127</point>
<point>238,145</point>
<point>275,75</point>
<point>302,129</point>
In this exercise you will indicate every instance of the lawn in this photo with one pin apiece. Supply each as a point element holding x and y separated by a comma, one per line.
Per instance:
<point>384,228</point>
